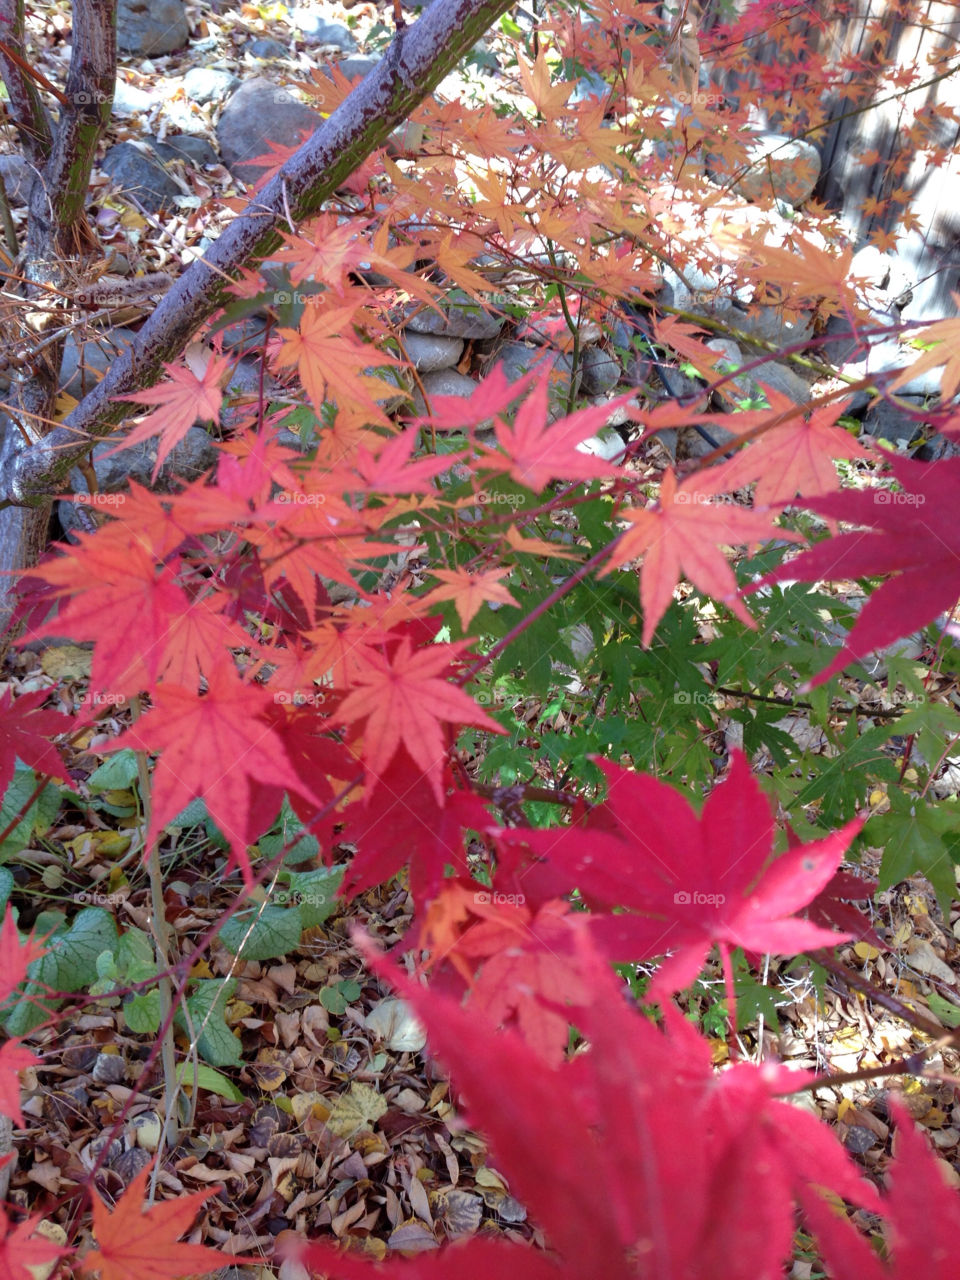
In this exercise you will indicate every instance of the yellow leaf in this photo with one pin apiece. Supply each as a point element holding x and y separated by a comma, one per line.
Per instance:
<point>357,1109</point>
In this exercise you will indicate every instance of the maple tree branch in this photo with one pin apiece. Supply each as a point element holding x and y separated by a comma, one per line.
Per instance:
<point>27,112</point>
<point>417,60</point>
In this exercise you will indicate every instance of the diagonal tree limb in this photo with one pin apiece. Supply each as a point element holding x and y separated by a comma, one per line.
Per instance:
<point>416,61</point>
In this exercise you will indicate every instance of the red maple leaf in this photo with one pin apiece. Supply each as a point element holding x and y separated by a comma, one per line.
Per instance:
<point>222,747</point>
<point>191,393</point>
<point>15,955</point>
<point>689,882</point>
<point>137,1243</point>
<point>391,471</point>
<point>529,978</point>
<point>119,598</point>
<point>22,1253</point>
<point>633,1157</point>
<point>13,1059</point>
<point>914,535</point>
<point>405,700</point>
<point>24,734</point>
<point>392,828</point>
<point>494,394</point>
<point>685,536</point>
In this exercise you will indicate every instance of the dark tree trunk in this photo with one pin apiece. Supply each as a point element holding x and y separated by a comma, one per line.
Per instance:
<point>58,238</point>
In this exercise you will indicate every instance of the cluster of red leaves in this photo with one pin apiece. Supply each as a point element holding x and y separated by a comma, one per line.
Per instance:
<point>635,1157</point>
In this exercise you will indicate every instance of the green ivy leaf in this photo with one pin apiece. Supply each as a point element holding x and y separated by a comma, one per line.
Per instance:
<point>118,773</point>
<point>70,964</point>
<point>38,817</point>
<point>206,1004</point>
<point>335,998</point>
<point>266,933</point>
<point>141,1012</point>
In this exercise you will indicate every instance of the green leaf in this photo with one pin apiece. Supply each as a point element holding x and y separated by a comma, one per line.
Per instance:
<point>206,1004</point>
<point>6,888</point>
<point>118,773</point>
<point>39,816</point>
<point>945,1010</point>
<point>135,948</point>
<point>141,1012</point>
<point>284,830</point>
<point>916,836</point>
<point>70,964</point>
<point>335,998</point>
<point>207,1078</point>
<point>266,933</point>
<point>315,892</point>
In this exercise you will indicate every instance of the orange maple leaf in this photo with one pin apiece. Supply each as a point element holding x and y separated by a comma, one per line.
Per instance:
<point>546,97</point>
<point>538,452</point>
<point>192,392</point>
<point>684,536</point>
<point>790,457</point>
<point>135,1243</point>
<point>946,335</point>
<point>470,590</point>
<point>328,361</point>
<point>404,700</point>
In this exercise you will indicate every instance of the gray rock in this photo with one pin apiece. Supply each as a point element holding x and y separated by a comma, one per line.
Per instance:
<point>183,146</point>
<point>16,176</point>
<point>599,371</point>
<point>151,27</point>
<point>516,360</point>
<point>140,174</point>
<point>781,168</point>
<point>245,335</point>
<point>888,358</point>
<point>245,381</point>
<point>779,377</point>
<point>266,49</point>
<point>257,114</point>
<point>543,332</point>
<point>937,447</point>
<point>83,367</point>
<point>428,352</point>
<point>128,100</point>
<point>444,382</point>
<point>351,67</point>
<point>317,30</point>
<point>209,84</point>
<point>768,324</point>
<point>191,458</point>
<point>889,422</point>
<point>461,318</point>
